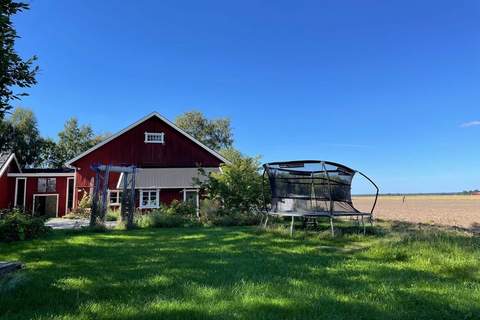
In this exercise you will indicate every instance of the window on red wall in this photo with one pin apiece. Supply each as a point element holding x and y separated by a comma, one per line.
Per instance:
<point>47,185</point>
<point>149,199</point>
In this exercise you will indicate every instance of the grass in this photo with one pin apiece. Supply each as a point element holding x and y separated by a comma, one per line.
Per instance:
<point>401,272</point>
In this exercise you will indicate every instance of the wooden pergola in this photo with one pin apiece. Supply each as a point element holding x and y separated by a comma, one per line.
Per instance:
<point>100,194</point>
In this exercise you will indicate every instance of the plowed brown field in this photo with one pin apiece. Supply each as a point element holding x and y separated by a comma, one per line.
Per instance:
<point>457,211</point>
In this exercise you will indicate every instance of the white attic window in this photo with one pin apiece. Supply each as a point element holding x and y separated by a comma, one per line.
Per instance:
<point>154,137</point>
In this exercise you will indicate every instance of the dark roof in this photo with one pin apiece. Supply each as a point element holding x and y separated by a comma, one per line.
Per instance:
<point>49,170</point>
<point>3,158</point>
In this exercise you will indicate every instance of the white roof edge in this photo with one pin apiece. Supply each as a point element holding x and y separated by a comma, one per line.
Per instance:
<point>153,114</point>
<point>7,163</point>
<point>119,180</point>
<point>42,174</point>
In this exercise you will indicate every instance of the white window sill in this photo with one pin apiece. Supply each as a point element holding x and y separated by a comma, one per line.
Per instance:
<point>149,207</point>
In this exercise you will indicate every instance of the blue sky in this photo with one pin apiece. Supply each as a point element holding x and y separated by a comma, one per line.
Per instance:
<point>386,87</point>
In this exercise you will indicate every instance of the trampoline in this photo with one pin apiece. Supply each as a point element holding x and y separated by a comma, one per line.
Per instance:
<point>311,189</point>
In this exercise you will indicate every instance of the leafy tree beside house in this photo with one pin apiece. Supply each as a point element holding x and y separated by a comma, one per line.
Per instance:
<point>73,140</point>
<point>215,134</point>
<point>14,71</point>
<point>239,186</point>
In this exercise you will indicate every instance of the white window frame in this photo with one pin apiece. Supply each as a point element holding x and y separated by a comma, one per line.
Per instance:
<point>24,192</point>
<point>118,203</point>
<point>191,190</point>
<point>44,195</point>
<point>158,137</point>
<point>38,184</point>
<point>52,179</point>
<point>69,195</point>
<point>149,191</point>
<point>46,184</point>
<point>197,208</point>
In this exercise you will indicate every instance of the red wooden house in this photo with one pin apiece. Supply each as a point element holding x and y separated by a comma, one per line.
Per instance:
<point>167,161</point>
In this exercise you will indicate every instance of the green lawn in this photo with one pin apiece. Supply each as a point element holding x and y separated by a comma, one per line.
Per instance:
<point>240,273</point>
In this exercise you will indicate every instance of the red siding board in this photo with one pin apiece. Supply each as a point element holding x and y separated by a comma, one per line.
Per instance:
<point>168,195</point>
<point>130,149</point>
<point>6,199</point>
<point>7,192</point>
<point>7,186</point>
<point>61,191</point>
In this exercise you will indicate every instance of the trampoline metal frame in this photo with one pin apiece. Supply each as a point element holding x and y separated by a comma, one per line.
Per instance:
<point>331,214</point>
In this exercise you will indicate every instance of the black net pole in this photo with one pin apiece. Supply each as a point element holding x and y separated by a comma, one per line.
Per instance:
<point>94,208</point>
<point>331,200</point>
<point>329,188</point>
<point>263,191</point>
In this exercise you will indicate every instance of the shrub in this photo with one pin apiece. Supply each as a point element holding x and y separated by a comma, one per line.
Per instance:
<point>177,214</point>
<point>82,211</point>
<point>17,225</point>
<point>239,186</point>
<point>177,208</point>
<point>212,213</point>
<point>112,215</point>
<point>158,219</point>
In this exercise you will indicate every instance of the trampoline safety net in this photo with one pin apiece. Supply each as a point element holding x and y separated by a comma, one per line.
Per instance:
<point>311,188</point>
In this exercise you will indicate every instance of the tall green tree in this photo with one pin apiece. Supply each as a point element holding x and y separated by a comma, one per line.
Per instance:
<point>14,72</point>
<point>21,135</point>
<point>215,134</point>
<point>73,140</point>
<point>6,135</point>
<point>48,153</point>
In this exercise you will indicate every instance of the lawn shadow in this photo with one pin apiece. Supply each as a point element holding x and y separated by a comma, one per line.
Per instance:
<point>236,273</point>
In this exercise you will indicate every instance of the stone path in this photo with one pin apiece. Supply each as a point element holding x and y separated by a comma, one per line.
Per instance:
<point>59,223</point>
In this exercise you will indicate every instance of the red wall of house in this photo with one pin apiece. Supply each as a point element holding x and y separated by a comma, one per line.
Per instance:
<point>7,186</point>
<point>6,198</point>
<point>168,195</point>
<point>130,149</point>
<point>61,190</point>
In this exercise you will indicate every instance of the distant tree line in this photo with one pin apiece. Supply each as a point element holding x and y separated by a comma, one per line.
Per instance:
<point>468,192</point>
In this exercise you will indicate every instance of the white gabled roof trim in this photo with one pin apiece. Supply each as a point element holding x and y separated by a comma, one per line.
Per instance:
<point>42,174</point>
<point>7,163</point>
<point>153,114</point>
